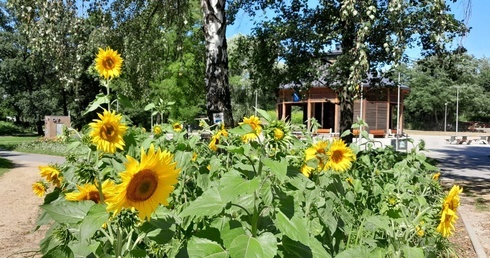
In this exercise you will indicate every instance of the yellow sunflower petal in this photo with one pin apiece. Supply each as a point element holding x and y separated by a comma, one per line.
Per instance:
<point>39,189</point>
<point>108,63</point>
<point>107,133</point>
<point>340,157</point>
<point>145,184</point>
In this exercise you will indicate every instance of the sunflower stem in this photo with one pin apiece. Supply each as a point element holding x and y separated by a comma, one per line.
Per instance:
<point>255,217</point>
<point>110,238</point>
<point>129,239</point>
<point>119,244</point>
<point>106,83</point>
<point>99,179</point>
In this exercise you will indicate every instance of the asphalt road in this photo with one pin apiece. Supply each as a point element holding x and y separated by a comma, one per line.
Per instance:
<point>459,162</point>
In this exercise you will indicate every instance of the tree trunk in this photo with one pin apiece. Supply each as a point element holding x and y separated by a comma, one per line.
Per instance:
<point>346,113</point>
<point>216,79</point>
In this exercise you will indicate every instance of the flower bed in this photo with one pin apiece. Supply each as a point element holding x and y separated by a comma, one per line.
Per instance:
<point>250,191</point>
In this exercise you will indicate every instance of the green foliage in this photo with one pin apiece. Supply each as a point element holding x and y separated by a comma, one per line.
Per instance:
<point>45,146</point>
<point>436,80</point>
<point>8,128</point>
<point>249,199</point>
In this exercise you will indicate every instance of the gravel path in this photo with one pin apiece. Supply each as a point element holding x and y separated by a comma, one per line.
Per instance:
<point>20,208</point>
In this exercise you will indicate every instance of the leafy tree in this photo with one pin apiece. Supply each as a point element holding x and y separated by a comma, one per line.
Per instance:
<point>435,80</point>
<point>369,33</point>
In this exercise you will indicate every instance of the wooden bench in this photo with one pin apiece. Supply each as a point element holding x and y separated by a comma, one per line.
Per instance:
<point>323,131</point>
<point>378,133</point>
<point>355,132</point>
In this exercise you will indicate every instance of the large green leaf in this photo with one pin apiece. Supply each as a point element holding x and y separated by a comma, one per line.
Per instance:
<point>202,247</point>
<point>208,204</point>
<point>245,246</point>
<point>295,228</point>
<point>83,248</point>
<point>269,244</point>
<point>242,129</point>
<point>278,168</point>
<point>378,222</point>
<point>96,217</point>
<point>68,212</point>
<point>413,252</point>
<point>264,114</point>
<point>59,251</point>
<point>160,230</point>
<point>230,231</point>
<point>49,242</point>
<point>232,185</point>
<point>317,249</point>
<point>358,251</point>
<point>295,249</point>
<point>99,100</point>
<point>149,107</point>
<point>124,101</point>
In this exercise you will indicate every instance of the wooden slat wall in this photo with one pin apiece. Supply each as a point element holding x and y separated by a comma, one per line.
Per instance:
<point>371,114</point>
<point>382,115</point>
<point>357,110</point>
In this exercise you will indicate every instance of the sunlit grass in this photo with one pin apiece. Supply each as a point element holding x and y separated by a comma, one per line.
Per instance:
<point>11,142</point>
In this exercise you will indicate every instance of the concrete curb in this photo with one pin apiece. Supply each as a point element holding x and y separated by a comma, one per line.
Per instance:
<point>480,252</point>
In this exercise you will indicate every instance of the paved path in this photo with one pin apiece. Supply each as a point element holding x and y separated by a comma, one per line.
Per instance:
<point>459,162</point>
<point>21,157</point>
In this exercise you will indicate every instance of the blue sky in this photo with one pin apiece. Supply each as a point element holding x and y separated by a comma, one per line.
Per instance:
<point>477,42</point>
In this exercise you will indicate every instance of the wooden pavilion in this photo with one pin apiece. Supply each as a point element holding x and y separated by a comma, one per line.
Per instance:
<point>377,107</point>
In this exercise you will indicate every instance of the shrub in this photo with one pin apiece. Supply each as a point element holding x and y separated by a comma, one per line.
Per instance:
<point>7,128</point>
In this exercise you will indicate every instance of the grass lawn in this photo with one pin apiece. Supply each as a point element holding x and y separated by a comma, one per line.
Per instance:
<point>33,144</point>
<point>5,165</point>
<point>11,142</point>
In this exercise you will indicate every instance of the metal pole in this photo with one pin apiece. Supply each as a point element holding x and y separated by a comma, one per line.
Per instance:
<point>398,129</point>
<point>255,102</point>
<point>445,116</point>
<point>457,107</point>
<point>360,115</point>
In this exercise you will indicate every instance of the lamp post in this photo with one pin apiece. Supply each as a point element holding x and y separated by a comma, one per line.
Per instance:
<point>445,116</point>
<point>457,107</point>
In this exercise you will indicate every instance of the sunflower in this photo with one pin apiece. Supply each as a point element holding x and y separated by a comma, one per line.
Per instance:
<point>278,134</point>
<point>39,188</point>
<point>90,192</point>
<point>157,130</point>
<point>108,63</point>
<point>317,151</point>
<point>51,174</point>
<point>306,170</point>
<point>177,127</point>
<point>254,122</point>
<point>107,133</point>
<point>194,156</point>
<point>145,184</point>
<point>448,219</point>
<point>223,131</point>
<point>449,211</point>
<point>419,231</point>
<point>436,176</point>
<point>214,141</point>
<point>340,157</point>
<point>452,198</point>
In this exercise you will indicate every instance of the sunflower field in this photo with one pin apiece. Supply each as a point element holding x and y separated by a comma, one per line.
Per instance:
<point>250,191</point>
